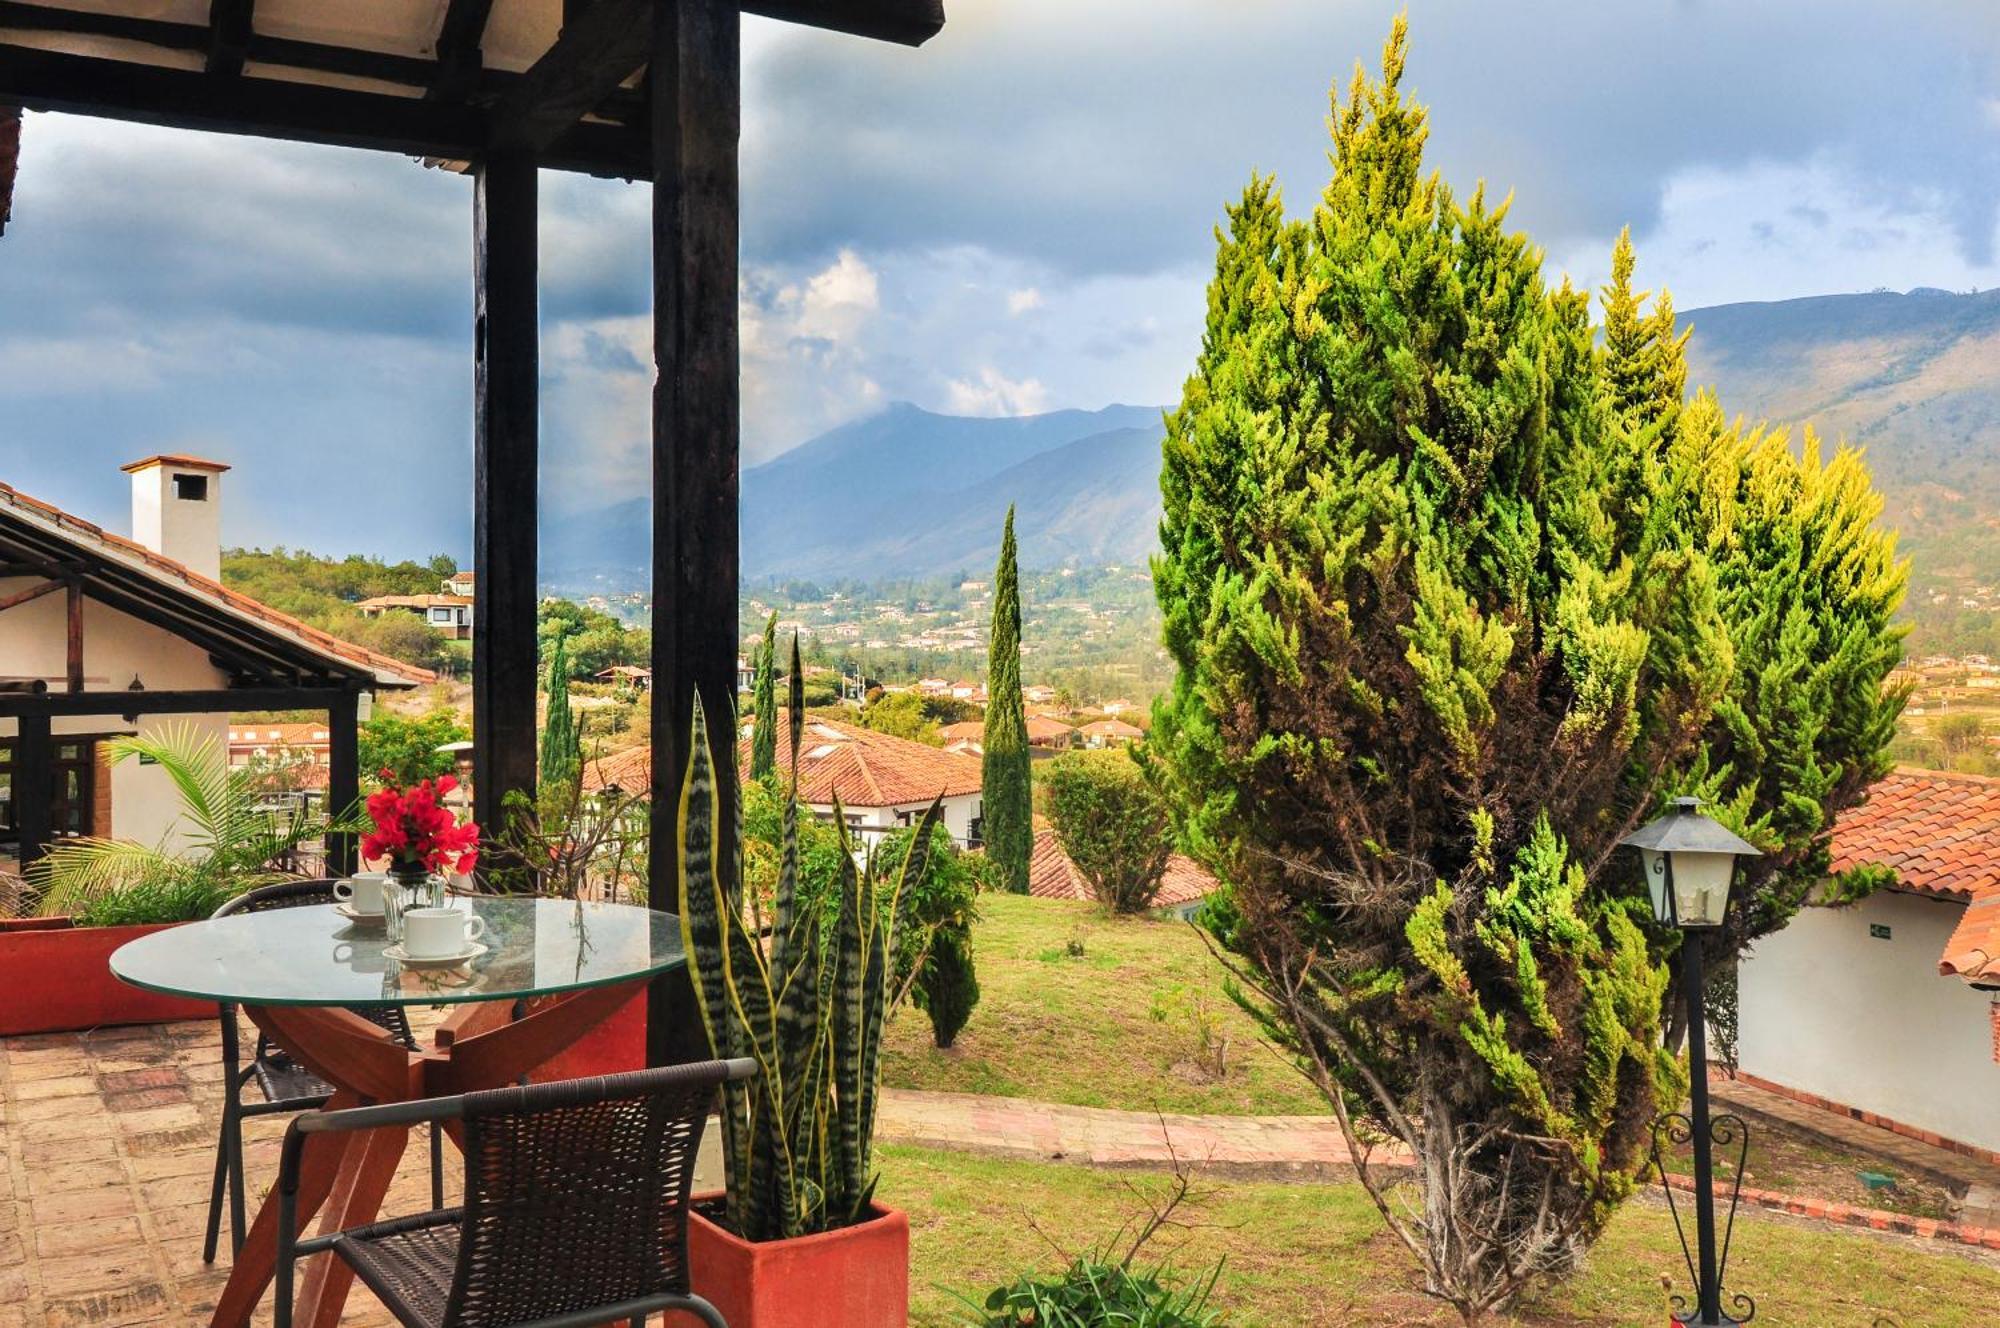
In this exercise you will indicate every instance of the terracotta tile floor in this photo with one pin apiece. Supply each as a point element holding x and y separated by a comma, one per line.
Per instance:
<point>107,1145</point>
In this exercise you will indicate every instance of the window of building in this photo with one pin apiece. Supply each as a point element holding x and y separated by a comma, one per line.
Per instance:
<point>192,488</point>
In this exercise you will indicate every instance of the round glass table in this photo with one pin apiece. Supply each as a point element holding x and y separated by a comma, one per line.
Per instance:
<point>314,956</point>
<point>551,971</point>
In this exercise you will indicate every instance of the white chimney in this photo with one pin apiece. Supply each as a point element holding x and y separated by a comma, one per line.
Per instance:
<point>177,510</point>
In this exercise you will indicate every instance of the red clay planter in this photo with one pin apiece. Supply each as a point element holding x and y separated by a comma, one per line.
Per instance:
<point>858,1277</point>
<point>55,977</point>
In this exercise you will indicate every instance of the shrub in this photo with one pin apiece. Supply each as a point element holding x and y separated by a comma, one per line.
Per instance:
<point>934,953</point>
<point>1091,1294</point>
<point>1112,824</point>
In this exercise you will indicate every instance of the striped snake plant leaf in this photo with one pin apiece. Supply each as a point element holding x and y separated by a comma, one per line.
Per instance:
<point>849,1039</point>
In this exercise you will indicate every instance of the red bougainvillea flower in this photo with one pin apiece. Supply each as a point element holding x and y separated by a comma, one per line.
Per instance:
<point>413,829</point>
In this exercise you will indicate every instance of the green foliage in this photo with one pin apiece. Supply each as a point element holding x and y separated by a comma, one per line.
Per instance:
<point>322,592</point>
<point>902,715</point>
<point>595,640</point>
<point>1112,824</point>
<point>227,842</point>
<point>1006,794</point>
<point>1456,596</point>
<point>934,949</point>
<point>764,736</point>
<point>408,748</point>
<point>1091,1294</point>
<point>562,740</point>
<point>807,1004</point>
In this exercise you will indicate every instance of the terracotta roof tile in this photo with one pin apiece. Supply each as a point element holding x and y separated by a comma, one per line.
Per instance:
<point>175,459</point>
<point>857,766</point>
<point>1939,830</point>
<point>177,576</point>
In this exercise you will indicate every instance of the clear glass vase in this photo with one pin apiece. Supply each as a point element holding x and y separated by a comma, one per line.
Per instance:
<point>407,890</point>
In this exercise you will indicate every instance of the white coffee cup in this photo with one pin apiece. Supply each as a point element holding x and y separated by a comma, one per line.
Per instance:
<point>437,933</point>
<point>362,892</point>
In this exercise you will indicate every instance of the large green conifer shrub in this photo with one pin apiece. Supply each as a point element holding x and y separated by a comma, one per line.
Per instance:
<point>1457,597</point>
<point>1006,794</point>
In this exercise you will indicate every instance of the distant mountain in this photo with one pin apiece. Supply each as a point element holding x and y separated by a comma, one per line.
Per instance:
<point>1914,378</point>
<point>908,491</point>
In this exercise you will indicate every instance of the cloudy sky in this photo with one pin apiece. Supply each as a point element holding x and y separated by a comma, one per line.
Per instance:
<point>1016,217</point>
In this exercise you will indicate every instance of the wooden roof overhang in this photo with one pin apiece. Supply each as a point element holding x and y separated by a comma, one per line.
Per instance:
<point>448,80</point>
<point>270,653</point>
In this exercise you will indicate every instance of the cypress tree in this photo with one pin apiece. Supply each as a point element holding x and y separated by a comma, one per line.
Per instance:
<point>562,744</point>
<point>764,736</point>
<point>1456,597</point>
<point>1005,790</point>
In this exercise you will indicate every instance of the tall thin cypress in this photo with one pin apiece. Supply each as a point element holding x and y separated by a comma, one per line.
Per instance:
<point>764,737</point>
<point>1009,830</point>
<point>562,745</point>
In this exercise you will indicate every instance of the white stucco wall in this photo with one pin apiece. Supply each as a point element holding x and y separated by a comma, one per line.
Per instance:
<point>1828,1009</point>
<point>874,822</point>
<point>116,648</point>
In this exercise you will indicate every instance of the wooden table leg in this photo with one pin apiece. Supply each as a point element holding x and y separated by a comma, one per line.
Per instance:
<point>368,1171</point>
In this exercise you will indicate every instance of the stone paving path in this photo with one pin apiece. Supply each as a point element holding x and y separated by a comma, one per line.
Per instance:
<point>1301,1147</point>
<point>1982,1179</point>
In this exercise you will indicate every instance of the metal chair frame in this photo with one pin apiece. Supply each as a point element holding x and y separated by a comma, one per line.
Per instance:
<point>237,1077</point>
<point>539,1099</point>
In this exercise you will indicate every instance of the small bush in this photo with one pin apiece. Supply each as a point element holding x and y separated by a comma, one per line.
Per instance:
<point>1112,825</point>
<point>1090,1294</point>
<point>161,901</point>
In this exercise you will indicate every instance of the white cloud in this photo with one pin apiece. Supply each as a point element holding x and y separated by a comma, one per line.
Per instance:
<point>1021,301</point>
<point>993,393</point>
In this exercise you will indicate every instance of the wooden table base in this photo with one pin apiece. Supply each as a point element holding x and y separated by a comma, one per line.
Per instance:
<point>345,1176</point>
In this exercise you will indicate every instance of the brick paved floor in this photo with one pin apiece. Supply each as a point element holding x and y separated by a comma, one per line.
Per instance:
<point>107,1141</point>
<point>107,1144</point>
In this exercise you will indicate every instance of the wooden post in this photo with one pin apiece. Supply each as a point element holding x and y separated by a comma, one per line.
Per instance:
<point>343,776</point>
<point>696,121</point>
<point>74,617</point>
<point>505,455</point>
<point>34,784</point>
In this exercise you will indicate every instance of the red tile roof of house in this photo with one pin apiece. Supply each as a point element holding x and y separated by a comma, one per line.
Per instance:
<point>176,576</point>
<point>1043,729</point>
<point>966,728</point>
<point>1113,728</point>
<point>1051,875</point>
<point>1940,832</point>
<point>859,767</point>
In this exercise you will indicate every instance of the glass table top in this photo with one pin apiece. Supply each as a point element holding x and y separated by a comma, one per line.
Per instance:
<point>314,956</point>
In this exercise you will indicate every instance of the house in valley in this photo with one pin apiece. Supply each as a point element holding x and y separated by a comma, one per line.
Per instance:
<point>450,615</point>
<point>103,635</point>
<point>285,757</point>
<point>1110,733</point>
<point>1046,736</point>
<point>1886,1008</point>
<point>880,782</point>
<point>630,676</point>
<point>458,583</point>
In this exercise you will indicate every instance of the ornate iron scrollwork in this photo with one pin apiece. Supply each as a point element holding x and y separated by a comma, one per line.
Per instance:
<point>1725,1132</point>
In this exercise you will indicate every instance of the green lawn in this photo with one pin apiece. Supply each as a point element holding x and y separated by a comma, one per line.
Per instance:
<point>1136,1021</point>
<point>1303,1255</point>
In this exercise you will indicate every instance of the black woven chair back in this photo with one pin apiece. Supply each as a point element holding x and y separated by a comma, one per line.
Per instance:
<point>304,894</point>
<point>576,1194</point>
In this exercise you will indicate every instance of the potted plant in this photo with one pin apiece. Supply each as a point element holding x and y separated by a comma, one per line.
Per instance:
<point>417,835</point>
<point>798,1239</point>
<point>93,894</point>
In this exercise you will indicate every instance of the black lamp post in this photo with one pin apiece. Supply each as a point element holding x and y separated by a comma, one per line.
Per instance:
<point>1690,864</point>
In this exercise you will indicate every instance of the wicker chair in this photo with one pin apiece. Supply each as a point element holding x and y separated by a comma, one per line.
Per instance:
<point>286,1086</point>
<point>575,1212</point>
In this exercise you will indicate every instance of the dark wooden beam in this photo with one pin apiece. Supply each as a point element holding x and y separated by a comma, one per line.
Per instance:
<point>31,593</point>
<point>73,649</point>
<point>505,457</point>
<point>458,49</point>
<point>697,117</point>
<point>597,51</point>
<point>228,35</point>
<point>34,785</point>
<point>343,776</point>
<point>269,108</point>
<point>213,701</point>
<point>911,22</point>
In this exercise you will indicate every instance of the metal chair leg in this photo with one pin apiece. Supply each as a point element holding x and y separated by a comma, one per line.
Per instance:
<point>214,1229</point>
<point>437,1165</point>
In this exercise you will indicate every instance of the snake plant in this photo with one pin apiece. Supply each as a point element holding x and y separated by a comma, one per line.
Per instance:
<point>803,993</point>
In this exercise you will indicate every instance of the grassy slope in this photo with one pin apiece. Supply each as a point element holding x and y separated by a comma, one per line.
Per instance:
<point>1116,1027</point>
<point>1305,1255</point>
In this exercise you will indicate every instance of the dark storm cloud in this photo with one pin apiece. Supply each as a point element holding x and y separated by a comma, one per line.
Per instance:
<point>1106,136</point>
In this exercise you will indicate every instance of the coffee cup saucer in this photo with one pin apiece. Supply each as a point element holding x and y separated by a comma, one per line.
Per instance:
<point>472,950</point>
<point>348,911</point>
